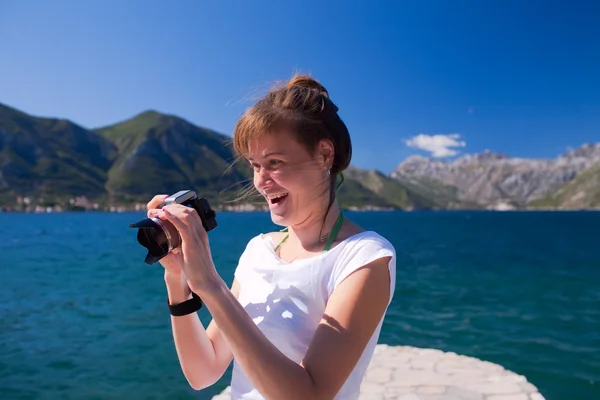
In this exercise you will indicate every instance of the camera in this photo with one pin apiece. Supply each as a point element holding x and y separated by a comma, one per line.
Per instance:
<point>160,237</point>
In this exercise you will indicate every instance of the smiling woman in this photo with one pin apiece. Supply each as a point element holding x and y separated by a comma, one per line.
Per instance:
<point>306,307</point>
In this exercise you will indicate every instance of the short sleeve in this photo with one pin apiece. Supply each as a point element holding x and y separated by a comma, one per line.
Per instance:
<point>362,252</point>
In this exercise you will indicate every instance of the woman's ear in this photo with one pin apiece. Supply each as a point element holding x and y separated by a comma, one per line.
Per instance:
<point>326,153</point>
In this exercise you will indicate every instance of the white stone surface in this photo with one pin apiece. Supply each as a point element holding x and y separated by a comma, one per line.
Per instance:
<point>409,373</point>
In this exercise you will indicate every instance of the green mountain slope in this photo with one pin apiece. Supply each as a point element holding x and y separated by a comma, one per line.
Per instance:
<point>431,194</point>
<point>162,153</point>
<point>54,160</point>
<point>581,193</point>
<point>49,157</point>
<point>373,188</point>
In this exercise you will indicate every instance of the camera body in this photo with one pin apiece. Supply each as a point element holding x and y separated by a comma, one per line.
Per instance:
<point>160,237</point>
<point>190,198</point>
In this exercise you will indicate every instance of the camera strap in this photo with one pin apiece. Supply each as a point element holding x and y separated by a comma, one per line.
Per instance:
<point>334,232</point>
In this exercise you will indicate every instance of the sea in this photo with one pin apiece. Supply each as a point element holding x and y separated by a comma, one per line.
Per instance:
<point>83,317</point>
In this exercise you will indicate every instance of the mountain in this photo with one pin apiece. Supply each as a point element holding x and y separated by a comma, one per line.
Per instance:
<point>49,157</point>
<point>582,193</point>
<point>160,153</point>
<point>57,162</point>
<point>490,180</point>
<point>373,188</point>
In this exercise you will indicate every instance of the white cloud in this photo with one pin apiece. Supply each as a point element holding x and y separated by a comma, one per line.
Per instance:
<point>437,145</point>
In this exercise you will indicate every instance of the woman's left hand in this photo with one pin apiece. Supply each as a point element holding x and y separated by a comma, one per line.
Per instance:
<point>198,264</point>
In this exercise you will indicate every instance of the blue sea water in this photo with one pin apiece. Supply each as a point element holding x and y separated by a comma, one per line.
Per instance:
<point>82,317</point>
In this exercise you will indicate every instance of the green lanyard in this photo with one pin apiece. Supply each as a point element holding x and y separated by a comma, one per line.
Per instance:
<point>334,231</point>
<point>332,235</point>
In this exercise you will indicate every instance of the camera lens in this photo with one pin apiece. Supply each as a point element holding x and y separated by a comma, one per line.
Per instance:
<point>155,240</point>
<point>158,236</point>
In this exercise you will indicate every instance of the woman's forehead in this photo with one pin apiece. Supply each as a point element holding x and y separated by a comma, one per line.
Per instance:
<point>276,143</point>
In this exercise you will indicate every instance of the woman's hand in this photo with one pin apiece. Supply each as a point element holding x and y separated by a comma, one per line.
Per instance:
<point>196,258</point>
<point>172,262</point>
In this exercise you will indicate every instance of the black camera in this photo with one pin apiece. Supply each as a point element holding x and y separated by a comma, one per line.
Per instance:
<point>160,237</point>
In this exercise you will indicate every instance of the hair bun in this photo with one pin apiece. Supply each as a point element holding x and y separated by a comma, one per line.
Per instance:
<point>307,82</point>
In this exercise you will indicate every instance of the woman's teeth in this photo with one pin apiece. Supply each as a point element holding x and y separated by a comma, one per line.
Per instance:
<point>275,198</point>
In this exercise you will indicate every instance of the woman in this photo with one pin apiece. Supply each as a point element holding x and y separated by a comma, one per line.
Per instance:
<point>304,312</point>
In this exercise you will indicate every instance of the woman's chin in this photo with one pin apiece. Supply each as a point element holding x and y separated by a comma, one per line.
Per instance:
<point>279,216</point>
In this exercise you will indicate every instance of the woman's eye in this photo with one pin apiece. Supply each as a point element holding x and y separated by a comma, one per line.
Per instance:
<point>274,162</point>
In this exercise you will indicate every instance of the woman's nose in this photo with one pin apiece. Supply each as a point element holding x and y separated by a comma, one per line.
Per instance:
<point>261,176</point>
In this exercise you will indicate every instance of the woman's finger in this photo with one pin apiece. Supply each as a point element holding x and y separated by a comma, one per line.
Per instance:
<point>156,213</point>
<point>179,221</point>
<point>187,215</point>
<point>156,201</point>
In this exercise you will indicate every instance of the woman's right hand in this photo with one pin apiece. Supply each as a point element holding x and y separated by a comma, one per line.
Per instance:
<point>172,262</point>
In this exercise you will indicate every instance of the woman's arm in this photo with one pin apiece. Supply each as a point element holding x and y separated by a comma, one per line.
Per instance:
<point>353,311</point>
<point>204,355</point>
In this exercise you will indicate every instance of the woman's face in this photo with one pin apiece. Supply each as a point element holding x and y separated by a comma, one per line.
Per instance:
<point>293,181</point>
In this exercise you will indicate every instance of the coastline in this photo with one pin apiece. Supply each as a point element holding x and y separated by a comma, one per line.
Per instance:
<point>252,209</point>
<point>83,204</point>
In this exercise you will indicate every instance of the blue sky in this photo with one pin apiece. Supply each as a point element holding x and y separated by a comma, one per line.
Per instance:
<point>438,78</point>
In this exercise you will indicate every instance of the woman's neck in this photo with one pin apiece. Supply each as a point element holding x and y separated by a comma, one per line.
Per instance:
<point>313,231</point>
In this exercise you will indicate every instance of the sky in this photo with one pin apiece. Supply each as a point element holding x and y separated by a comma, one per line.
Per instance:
<point>435,78</point>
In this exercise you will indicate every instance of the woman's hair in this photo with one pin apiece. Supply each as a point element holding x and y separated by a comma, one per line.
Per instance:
<point>303,106</point>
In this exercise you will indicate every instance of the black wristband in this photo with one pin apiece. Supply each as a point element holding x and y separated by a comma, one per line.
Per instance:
<point>187,307</point>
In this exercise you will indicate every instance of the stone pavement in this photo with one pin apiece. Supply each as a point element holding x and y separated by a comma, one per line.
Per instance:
<point>409,373</point>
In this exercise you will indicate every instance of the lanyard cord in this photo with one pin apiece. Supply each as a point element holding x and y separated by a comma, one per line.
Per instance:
<point>334,231</point>
<point>332,235</point>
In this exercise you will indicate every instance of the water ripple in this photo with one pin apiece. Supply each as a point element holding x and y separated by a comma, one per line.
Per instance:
<point>83,317</point>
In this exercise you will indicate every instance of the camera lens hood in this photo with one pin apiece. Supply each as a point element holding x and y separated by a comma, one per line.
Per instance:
<point>145,223</point>
<point>159,237</point>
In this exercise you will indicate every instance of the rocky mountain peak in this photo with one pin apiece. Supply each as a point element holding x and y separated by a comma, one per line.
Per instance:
<point>489,177</point>
<point>482,157</point>
<point>588,150</point>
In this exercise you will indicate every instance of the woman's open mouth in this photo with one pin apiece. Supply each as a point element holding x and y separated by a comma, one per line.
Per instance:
<point>277,199</point>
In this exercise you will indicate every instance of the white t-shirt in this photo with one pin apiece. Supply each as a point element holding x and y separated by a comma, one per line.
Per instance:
<point>287,300</point>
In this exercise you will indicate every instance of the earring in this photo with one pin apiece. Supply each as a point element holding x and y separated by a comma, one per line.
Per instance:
<point>328,172</point>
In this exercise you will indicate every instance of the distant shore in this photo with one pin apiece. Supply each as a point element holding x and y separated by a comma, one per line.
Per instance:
<point>51,210</point>
<point>140,208</point>
<point>82,204</point>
